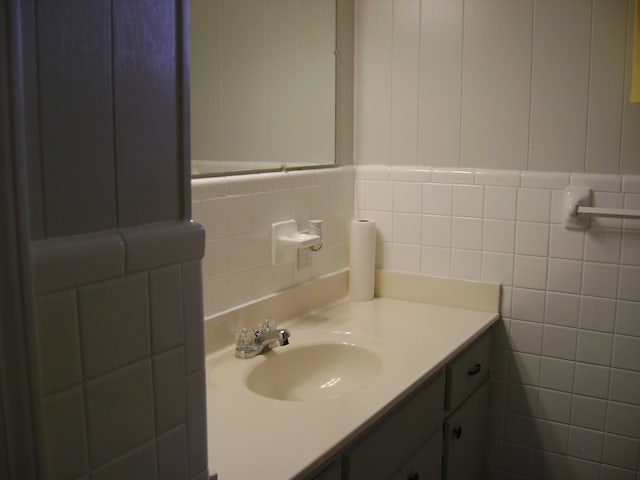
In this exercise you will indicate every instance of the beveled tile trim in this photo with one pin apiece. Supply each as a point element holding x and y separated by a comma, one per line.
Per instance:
<point>66,262</point>
<point>157,245</point>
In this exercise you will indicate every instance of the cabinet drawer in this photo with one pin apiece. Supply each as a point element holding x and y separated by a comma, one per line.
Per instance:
<point>381,453</point>
<point>468,371</point>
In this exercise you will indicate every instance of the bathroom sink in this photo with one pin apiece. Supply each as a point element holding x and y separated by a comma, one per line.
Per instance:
<point>314,372</point>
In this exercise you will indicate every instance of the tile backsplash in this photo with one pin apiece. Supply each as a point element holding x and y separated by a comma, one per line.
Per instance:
<point>237,213</point>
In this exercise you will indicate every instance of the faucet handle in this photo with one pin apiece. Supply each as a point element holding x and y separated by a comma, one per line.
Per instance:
<point>245,338</point>
<point>266,325</point>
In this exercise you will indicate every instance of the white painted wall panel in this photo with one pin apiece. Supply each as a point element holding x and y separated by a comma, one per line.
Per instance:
<point>372,96</point>
<point>559,93</point>
<point>496,83</point>
<point>606,85</point>
<point>440,82</point>
<point>630,152</point>
<point>404,82</point>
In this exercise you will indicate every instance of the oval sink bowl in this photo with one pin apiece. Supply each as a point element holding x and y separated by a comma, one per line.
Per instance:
<point>314,372</point>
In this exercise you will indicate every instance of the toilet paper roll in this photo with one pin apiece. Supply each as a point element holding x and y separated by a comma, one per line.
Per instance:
<point>362,260</point>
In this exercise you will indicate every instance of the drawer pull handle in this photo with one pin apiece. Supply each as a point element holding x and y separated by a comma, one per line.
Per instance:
<point>474,370</point>
<point>457,431</point>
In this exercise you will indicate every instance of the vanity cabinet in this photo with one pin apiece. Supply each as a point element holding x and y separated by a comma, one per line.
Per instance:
<point>437,433</point>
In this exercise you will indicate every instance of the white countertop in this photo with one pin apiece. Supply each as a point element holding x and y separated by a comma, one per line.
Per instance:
<point>253,437</point>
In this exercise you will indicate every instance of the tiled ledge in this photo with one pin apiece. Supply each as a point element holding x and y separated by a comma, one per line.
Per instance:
<point>67,262</point>
<point>626,183</point>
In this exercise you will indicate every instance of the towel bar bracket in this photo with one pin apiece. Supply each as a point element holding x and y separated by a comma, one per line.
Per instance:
<point>578,210</point>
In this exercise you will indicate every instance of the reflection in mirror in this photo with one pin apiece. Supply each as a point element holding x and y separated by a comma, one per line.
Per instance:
<point>262,85</point>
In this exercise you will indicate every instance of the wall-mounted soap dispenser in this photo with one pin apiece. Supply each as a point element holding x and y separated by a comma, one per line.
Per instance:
<point>287,238</point>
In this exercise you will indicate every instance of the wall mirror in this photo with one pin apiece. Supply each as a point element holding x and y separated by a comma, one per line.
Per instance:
<point>263,85</point>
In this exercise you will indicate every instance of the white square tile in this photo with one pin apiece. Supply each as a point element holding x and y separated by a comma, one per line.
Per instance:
<point>436,261</point>
<point>534,205</point>
<point>282,205</point>
<point>626,352</point>
<point>240,252</point>
<point>554,405</point>
<point>589,412</point>
<point>436,231</point>
<point>524,369</point>
<point>625,387</point>
<point>600,280</point>
<point>379,196</point>
<point>559,342</point>
<point>498,236</point>
<point>301,203</point>
<point>597,314</point>
<point>521,399</point>
<point>622,452</point>
<point>557,206</point>
<point>320,199</point>
<point>372,172</point>
<point>239,214</point>
<point>466,233</point>
<point>584,443</point>
<point>562,309</point>
<point>552,437</point>
<point>240,287</point>
<point>466,264</point>
<point>530,272</point>
<point>566,243</point>
<point>468,200</point>
<point>526,337</point>
<point>500,203</point>
<point>591,380</point>
<point>213,216</point>
<point>594,347</point>
<point>406,258</point>
<point>532,239</point>
<point>216,260</point>
<point>564,275</point>
<point>557,374</point>
<point>602,245</point>
<point>631,248</point>
<point>623,419</point>
<point>208,188</point>
<point>215,295</point>
<point>407,197</point>
<point>628,318</point>
<point>497,268</point>
<point>528,305</point>
<point>437,199</point>
<point>505,301</point>
<point>407,228</point>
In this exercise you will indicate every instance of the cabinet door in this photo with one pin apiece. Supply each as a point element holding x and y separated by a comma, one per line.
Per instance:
<point>426,463</point>
<point>464,441</point>
<point>384,449</point>
<point>332,472</point>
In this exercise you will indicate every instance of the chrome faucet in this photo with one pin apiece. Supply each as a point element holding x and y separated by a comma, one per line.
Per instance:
<point>250,343</point>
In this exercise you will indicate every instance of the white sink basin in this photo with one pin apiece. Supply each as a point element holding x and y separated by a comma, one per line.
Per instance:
<point>313,372</point>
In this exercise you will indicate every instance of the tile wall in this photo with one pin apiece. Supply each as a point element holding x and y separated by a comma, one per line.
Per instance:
<point>119,354</point>
<point>237,213</point>
<point>565,400</point>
